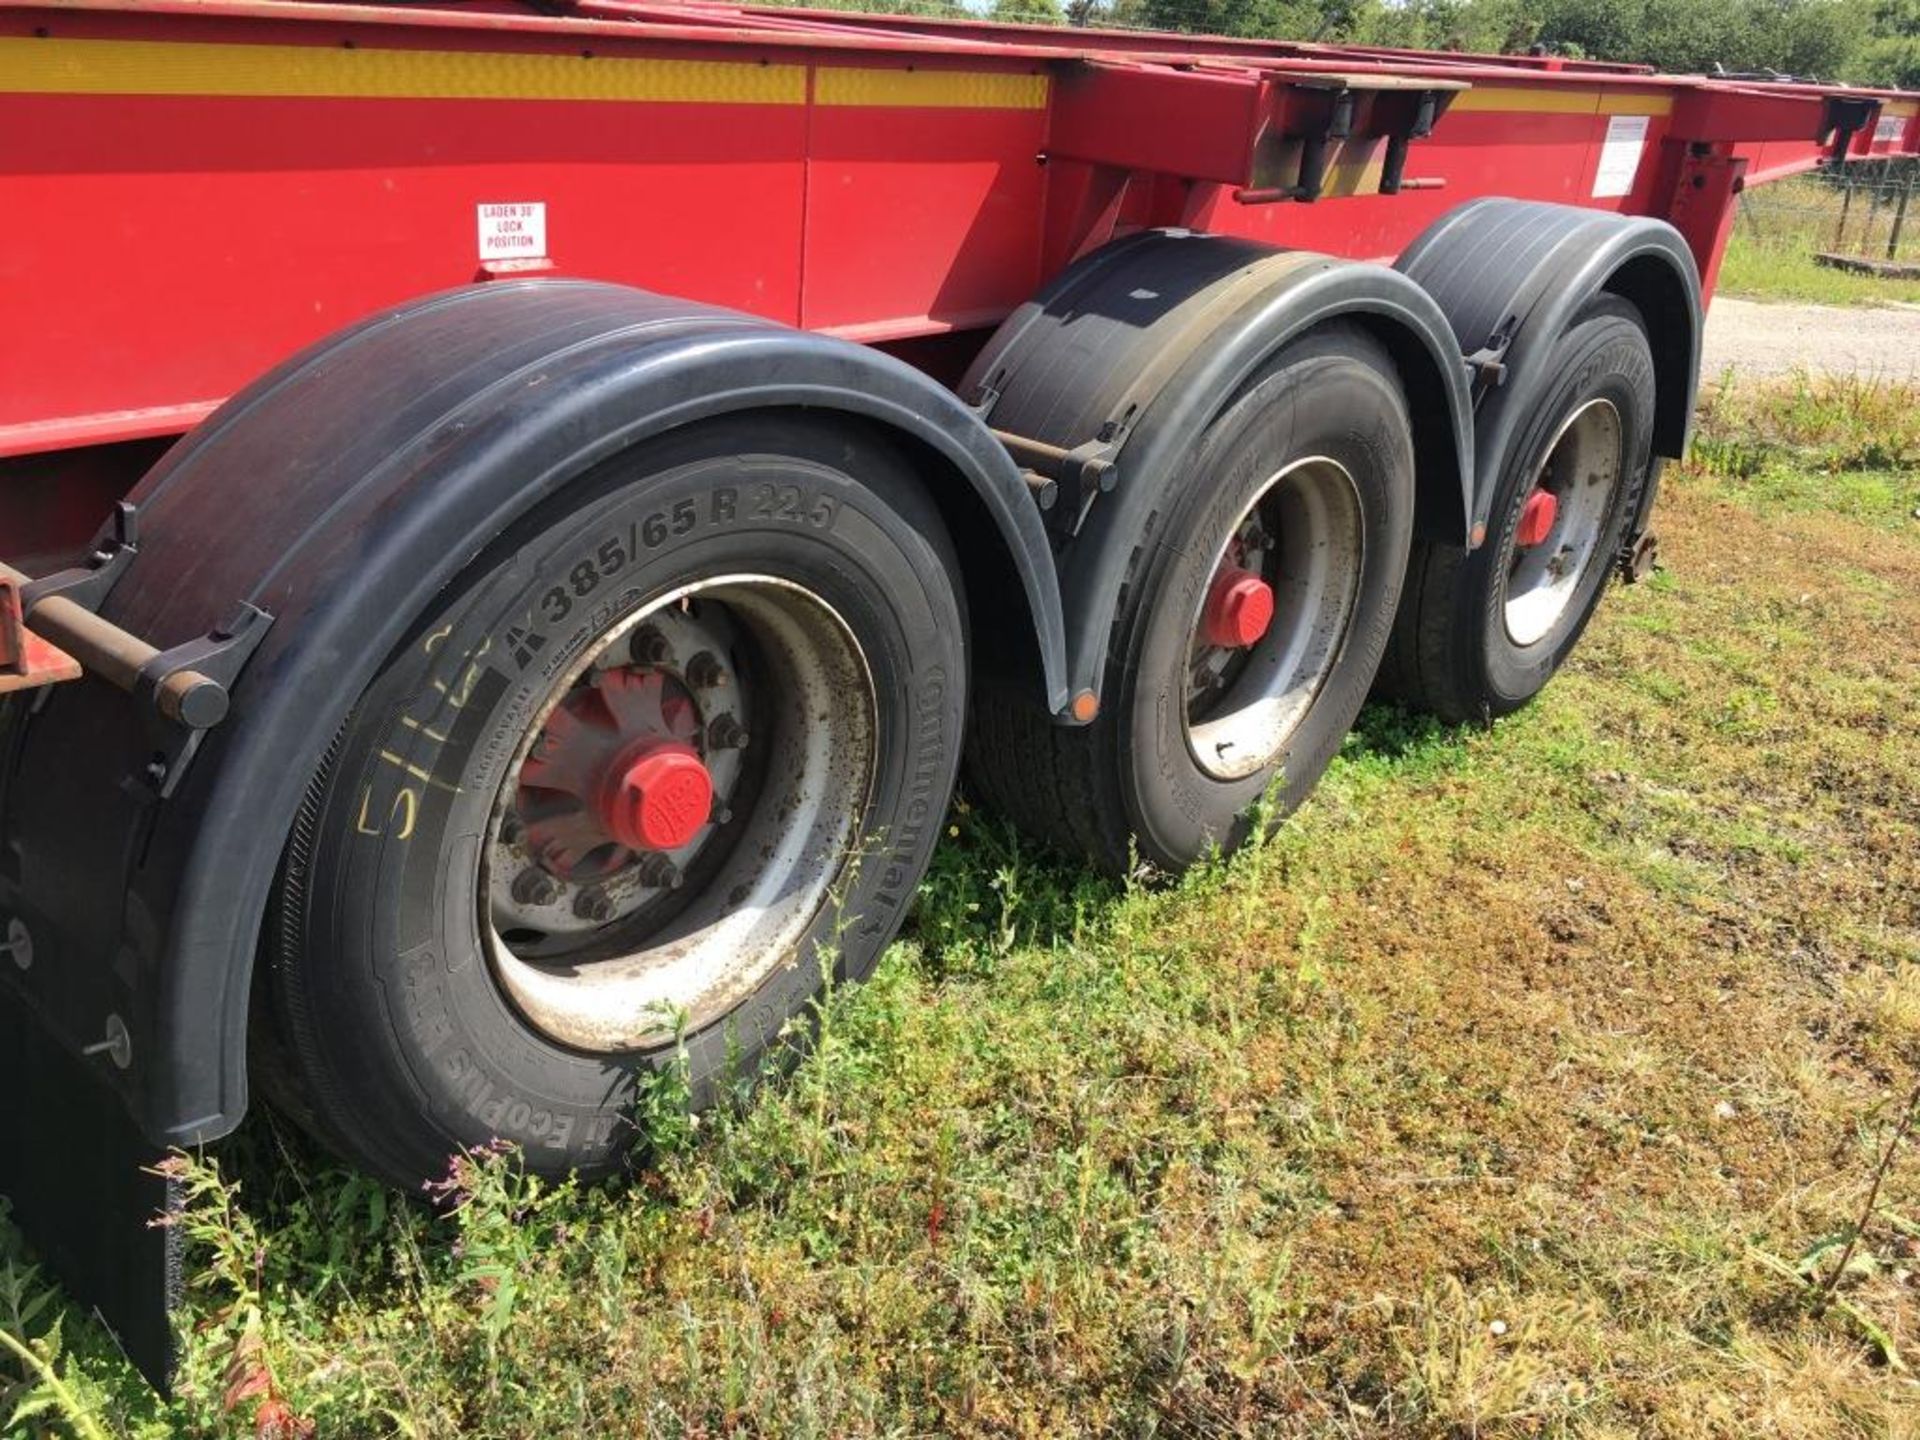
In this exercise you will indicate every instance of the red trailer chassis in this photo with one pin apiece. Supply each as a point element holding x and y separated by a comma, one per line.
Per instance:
<point>1130,254</point>
<point>200,189</point>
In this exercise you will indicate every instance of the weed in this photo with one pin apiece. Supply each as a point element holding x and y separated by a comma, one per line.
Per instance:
<point>46,1394</point>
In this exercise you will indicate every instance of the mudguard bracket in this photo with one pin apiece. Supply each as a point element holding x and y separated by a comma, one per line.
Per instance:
<point>219,656</point>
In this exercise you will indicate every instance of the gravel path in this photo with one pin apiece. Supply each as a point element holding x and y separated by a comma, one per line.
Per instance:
<point>1764,339</point>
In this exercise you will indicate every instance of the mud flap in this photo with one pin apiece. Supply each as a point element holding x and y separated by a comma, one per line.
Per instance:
<point>78,1178</point>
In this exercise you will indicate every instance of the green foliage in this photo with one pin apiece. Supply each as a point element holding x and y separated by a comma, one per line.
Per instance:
<point>1027,12</point>
<point>1864,41</point>
<point>1481,26</point>
<point>1798,37</point>
<point>1861,40</point>
<point>1891,54</point>
<point>1841,445</point>
<point>1291,19</point>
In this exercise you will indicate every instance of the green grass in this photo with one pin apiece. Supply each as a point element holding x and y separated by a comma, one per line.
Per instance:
<point>1528,1081</point>
<point>1770,253</point>
<point>1784,270</point>
<point>1838,445</point>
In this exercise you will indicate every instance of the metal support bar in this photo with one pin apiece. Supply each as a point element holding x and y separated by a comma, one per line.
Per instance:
<point>1322,117</point>
<point>1900,216</point>
<point>1845,117</point>
<point>1393,171</point>
<point>1076,466</point>
<point>102,648</point>
<point>1044,488</point>
<point>26,660</point>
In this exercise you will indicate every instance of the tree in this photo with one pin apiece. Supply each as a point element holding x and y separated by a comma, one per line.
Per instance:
<point>1277,19</point>
<point>1796,37</point>
<point>1891,55</point>
<point>1028,12</point>
<point>1866,41</point>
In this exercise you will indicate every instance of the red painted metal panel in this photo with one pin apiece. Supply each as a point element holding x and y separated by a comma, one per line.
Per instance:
<point>1472,153</point>
<point>921,219</point>
<point>1202,125</point>
<point>170,248</point>
<point>187,210</point>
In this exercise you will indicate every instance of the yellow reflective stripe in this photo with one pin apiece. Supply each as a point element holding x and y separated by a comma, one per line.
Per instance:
<point>164,67</point>
<point>929,89</point>
<point>1900,112</point>
<point>1542,101</point>
<point>1633,102</point>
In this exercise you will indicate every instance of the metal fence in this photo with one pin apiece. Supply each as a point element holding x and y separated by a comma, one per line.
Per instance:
<point>1866,211</point>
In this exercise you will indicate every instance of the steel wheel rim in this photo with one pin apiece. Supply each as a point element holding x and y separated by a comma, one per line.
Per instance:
<point>1582,473</point>
<point>1242,710</point>
<point>783,825</point>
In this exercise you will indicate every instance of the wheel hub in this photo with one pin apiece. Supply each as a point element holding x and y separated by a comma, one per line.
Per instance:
<point>659,802</point>
<point>615,773</point>
<point>1557,536</point>
<point>626,780</point>
<point>1274,618</point>
<point>1239,609</point>
<point>1536,519</point>
<point>679,812</point>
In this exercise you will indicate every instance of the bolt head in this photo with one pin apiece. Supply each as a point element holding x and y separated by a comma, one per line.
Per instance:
<point>659,872</point>
<point>19,944</point>
<point>649,647</point>
<point>534,886</point>
<point>726,733</point>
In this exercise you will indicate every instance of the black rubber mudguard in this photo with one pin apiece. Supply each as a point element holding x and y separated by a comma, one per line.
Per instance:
<point>82,1185</point>
<point>341,494</point>
<point>1512,274</point>
<point>1146,340</point>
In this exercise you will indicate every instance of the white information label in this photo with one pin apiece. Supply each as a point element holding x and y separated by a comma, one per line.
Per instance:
<point>515,230</point>
<point>1890,129</point>
<point>1620,156</point>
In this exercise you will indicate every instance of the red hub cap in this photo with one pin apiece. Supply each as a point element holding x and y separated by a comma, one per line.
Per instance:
<point>660,801</point>
<point>1536,519</point>
<point>615,772</point>
<point>1238,611</point>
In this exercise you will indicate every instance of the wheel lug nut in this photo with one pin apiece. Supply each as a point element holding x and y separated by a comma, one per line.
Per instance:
<point>535,887</point>
<point>705,672</point>
<point>593,905</point>
<point>511,830</point>
<point>658,872</point>
<point>649,647</point>
<point>726,733</point>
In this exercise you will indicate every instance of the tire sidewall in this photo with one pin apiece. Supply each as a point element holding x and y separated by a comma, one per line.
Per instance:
<point>1604,356</point>
<point>418,1040</point>
<point>1335,397</point>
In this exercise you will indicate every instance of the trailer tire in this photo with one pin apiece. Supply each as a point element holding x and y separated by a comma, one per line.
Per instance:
<point>1480,633</point>
<point>1326,415</point>
<point>795,555</point>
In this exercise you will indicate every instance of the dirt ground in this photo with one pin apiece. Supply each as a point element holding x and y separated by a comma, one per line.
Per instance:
<point>1759,339</point>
